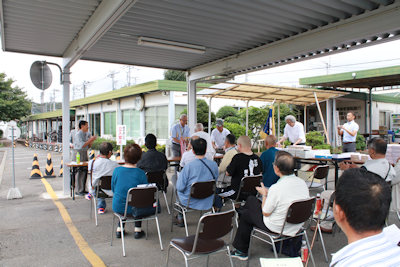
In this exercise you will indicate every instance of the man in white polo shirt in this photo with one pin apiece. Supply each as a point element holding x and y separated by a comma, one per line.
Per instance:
<point>218,136</point>
<point>270,214</point>
<point>294,131</point>
<point>349,131</point>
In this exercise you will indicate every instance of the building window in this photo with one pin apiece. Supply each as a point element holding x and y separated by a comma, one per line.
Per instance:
<point>110,123</point>
<point>94,124</point>
<point>131,118</point>
<point>178,110</point>
<point>156,120</point>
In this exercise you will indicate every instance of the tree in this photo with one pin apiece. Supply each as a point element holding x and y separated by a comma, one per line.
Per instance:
<point>13,101</point>
<point>175,75</point>
<point>236,129</point>
<point>202,113</point>
<point>257,119</point>
<point>226,111</point>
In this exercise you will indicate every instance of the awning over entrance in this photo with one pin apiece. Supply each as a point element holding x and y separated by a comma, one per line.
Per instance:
<point>269,93</point>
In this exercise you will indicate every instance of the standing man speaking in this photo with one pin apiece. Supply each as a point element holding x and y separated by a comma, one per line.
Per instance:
<point>349,131</point>
<point>83,140</point>
<point>179,132</point>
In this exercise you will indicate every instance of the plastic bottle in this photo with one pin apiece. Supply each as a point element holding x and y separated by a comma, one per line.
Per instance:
<point>304,251</point>
<point>318,205</point>
<point>78,158</point>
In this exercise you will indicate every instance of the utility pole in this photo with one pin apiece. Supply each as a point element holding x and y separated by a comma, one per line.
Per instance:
<point>111,75</point>
<point>84,84</point>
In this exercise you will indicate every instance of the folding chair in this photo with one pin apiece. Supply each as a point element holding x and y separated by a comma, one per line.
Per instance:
<point>142,197</point>
<point>319,179</point>
<point>212,227</point>
<point>247,187</point>
<point>298,212</point>
<point>198,190</point>
<point>104,183</point>
<point>160,179</point>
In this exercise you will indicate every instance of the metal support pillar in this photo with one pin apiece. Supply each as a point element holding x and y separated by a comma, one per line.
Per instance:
<point>192,105</point>
<point>171,110</point>
<point>209,116</point>
<point>66,130</point>
<point>279,120</point>
<point>305,118</point>
<point>119,112</point>
<point>247,117</point>
<point>101,120</point>
<point>370,113</point>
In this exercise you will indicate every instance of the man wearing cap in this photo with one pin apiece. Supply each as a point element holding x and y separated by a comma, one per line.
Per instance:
<point>179,132</point>
<point>218,136</point>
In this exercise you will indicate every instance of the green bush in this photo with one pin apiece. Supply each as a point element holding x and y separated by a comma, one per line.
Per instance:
<point>314,138</point>
<point>159,148</point>
<point>232,120</point>
<point>98,141</point>
<point>226,111</point>
<point>360,142</point>
<point>235,129</point>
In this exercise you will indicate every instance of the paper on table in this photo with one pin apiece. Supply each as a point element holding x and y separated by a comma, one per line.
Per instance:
<point>281,262</point>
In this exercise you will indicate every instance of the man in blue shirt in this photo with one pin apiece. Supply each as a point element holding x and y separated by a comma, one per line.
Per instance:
<point>199,170</point>
<point>179,132</point>
<point>267,158</point>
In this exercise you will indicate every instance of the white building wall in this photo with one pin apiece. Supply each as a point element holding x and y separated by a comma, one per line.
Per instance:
<point>109,106</point>
<point>128,102</point>
<point>156,99</point>
<point>94,108</point>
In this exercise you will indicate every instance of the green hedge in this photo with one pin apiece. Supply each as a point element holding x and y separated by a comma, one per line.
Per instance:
<point>98,141</point>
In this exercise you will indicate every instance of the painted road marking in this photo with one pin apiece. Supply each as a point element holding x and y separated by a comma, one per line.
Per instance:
<point>79,240</point>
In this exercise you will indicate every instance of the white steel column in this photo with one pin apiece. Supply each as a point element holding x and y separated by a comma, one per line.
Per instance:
<point>305,118</point>
<point>192,106</point>
<point>119,112</point>
<point>247,118</point>
<point>279,120</point>
<point>66,131</point>
<point>209,116</point>
<point>101,120</point>
<point>171,111</point>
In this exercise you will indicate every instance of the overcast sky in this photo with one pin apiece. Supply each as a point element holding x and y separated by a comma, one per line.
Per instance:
<point>17,66</point>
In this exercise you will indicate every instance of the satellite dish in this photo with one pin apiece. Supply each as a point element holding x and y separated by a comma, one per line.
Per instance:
<point>41,75</point>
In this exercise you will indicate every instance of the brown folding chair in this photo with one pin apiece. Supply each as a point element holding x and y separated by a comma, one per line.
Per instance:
<point>299,212</point>
<point>247,187</point>
<point>212,227</point>
<point>198,190</point>
<point>160,179</point>
<point>319,179</point>
<point>142,197</point>
<point>104,183</point>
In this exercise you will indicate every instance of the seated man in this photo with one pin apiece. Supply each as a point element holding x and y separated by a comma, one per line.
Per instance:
<point>199,170</point>
<point>378,164</point>
<point>230,151</point>
<point>361,206</point>
<point>271,213</point>
<point>152,160</point>
<point>188,156</point>
<point>245,163</point>
<point>199,131</point>
<point>267,159</point>
<point>102,166</point>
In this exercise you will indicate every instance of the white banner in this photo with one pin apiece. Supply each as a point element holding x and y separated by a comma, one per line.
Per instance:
<point>121,135</point>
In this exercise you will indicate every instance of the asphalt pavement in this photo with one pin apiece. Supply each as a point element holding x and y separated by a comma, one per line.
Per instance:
<point>33,231</point>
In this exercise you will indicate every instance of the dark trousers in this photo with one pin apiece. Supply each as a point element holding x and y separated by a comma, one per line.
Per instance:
<point>176,150</point>
<point>250,216</point>
<point>349,147</point>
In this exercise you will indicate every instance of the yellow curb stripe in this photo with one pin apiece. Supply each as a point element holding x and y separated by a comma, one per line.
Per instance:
<point>79,240</point>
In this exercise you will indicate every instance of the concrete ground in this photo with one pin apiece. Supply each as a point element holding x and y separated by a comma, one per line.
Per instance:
<point>33,232</point>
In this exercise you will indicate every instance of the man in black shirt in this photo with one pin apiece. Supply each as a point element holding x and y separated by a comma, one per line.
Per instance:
<point>245,163</point>
<point>152,160</point>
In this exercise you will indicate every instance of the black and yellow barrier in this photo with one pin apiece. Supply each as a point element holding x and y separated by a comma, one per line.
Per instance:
<point>61,169</point>
<point>35,173</point>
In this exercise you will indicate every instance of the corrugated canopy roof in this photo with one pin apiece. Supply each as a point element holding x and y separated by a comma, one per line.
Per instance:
<point>237,36</point>
<point>372,78</point>
<point>269,93</point>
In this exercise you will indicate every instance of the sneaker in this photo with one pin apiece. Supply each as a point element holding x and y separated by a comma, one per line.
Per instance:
<point>101,211</point>
<point>239,255</point>
<point>179,222</point>
<point>139,235</point>
<point>88,196</point>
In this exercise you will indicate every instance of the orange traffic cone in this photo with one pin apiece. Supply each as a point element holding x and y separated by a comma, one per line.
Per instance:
<point>49,172</point>
<point>61,169</point>
<point>35,173</point>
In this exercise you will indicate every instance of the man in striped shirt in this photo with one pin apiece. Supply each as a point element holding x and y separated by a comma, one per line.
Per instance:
<point>362,201</point>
